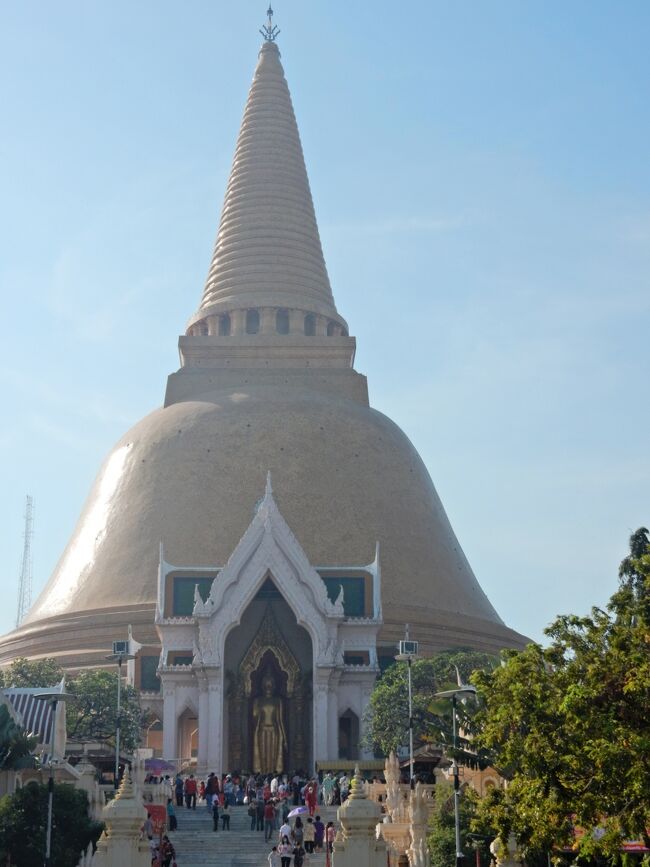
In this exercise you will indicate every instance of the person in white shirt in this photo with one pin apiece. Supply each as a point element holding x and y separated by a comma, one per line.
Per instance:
<point>286,851</point>
<point>274,858</point>
<point>285,830</point>
<point>274,786</point>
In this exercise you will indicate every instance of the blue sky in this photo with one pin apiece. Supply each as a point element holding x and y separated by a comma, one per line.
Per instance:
<point>482,184</point>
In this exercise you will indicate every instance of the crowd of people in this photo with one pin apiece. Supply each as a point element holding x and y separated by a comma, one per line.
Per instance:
<point>237,790</point>
<point>269,801</point>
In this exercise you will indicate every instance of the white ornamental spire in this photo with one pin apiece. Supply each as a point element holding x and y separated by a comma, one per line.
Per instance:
<point>268,252</point>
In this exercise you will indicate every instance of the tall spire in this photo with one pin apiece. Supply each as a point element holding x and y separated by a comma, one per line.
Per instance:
<point>268,252</point>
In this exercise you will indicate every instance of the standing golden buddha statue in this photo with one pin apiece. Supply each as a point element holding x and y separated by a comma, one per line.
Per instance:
<point>269,737</point>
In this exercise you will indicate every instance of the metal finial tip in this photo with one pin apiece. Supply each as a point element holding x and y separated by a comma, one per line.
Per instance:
<point>269,31</point>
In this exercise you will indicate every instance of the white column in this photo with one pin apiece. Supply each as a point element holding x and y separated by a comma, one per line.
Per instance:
<point>321,689</point>
<point>169,721</point>
<point>215,717</point>
<point>296,322</point>
<point>237,322</point>
<point>204,727</point>
<point>333,720</point>
<point>267,320</point>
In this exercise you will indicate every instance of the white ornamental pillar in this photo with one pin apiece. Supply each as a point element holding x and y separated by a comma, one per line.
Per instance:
<point>237,322</point>
<point>296,322</point>
<point>169,721</point>
<point>204,727</point>
<point>215,717</point>
<point>357,844</point>
<point>267,320</point>
<point>321,718</point>
<point>333,722</point>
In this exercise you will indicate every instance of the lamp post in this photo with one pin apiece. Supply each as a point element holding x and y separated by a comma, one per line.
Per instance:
<point>120,654</point>
<point>53,698</point>
<point>462,689</point>
<point>408,651</point>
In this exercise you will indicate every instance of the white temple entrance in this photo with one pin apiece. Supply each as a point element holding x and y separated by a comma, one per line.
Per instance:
<point>262,669</point>
<point>187,728</point>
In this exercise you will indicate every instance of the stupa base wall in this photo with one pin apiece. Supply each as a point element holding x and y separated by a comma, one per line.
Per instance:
<point>83,640</point>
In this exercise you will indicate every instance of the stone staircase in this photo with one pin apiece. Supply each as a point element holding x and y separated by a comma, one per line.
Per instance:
<point>197,844</point>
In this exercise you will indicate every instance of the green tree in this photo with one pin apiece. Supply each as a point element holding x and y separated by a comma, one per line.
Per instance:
<point>16,745</point>
<point>92,715</point>
<point>569,724</point>
<point>22,826</point>
<point>387,713</point>
<point>31,673</point>
<point>441,840</point>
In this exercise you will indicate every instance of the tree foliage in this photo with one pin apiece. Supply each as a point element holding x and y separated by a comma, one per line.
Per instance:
<point>569,724</point>
<point>31,673</point>
<point>441,840</point>
<point>16,745</point>
<point>22,826</point>
<point>92,714</point>
<point>387,714</point>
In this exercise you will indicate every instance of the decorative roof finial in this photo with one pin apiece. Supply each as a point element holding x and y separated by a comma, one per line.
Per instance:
<point>270,30</point>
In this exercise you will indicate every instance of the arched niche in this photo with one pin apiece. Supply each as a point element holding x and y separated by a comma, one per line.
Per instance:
<point>268,639</point>
<point>252,321</point>
<point>282,321</point>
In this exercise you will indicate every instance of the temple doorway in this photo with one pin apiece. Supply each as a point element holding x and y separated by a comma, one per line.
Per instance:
<point>268,698</point>
<point>188,730</point>
<point>349,735</point>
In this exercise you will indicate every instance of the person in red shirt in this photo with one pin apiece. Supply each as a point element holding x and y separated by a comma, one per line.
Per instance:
<point>190,792</point>
<point>269,820</point>
<point>310,798</point>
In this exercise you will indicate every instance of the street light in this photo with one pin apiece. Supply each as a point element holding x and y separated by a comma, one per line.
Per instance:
<point>54,698</point>
<point>408,651</point>
<point>467,690</point>
<point>120,654</point>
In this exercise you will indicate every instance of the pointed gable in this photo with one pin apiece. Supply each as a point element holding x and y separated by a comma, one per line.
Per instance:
<point>267,548</point>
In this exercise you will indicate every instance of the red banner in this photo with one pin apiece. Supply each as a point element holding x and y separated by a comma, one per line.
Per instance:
<point>158,815</point>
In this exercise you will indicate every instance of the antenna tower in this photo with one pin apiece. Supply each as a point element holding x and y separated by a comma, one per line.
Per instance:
<point>25,577</point>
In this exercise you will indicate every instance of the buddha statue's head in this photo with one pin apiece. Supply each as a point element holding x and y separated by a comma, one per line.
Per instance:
<point>268,685</point>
